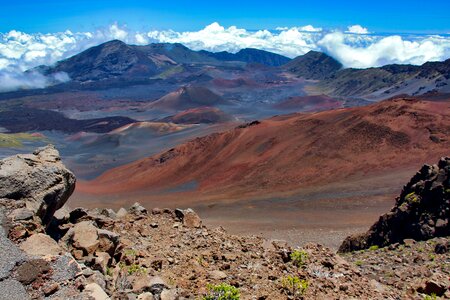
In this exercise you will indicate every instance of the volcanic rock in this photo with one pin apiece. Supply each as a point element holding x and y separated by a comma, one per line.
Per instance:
<point>40,179</point>
<point>96,292</point>
<point>189,218</point>
<point>420,213</point>
<point>83,236</point>
<point>137,209</point>
<point>40,245</point>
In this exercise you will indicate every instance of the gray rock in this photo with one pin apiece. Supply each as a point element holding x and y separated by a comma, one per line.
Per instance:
<point>10,254</point>
<point>40,179</point>
<point>108,212</point>
<point>21,214</point>
<point>137,209</point>
<point>122,212</point>
<point>64,268</point>
<point>12,290</point>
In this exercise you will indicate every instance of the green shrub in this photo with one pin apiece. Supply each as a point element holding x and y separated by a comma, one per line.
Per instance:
<point>374,247</point>
<point>430,297</point>
<point>134,268</point>
<point>299,257</point>
<point>222,291</point>
<point>294,286</point>
<point>358,263</point>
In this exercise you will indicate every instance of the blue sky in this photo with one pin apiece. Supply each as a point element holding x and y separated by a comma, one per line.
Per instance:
<point>415,16</point>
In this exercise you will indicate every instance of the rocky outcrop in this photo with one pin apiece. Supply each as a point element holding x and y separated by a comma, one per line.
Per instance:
<point>169,254</point>
<point>40,179</point>
<point>421,212</point>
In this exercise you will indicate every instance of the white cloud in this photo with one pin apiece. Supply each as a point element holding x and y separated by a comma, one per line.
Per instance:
<point>385,50</point>
<point>307,28</point>
<point>357,29</point>
<point>13,80</point>
<point>21,51</point>
<point>310,28</point>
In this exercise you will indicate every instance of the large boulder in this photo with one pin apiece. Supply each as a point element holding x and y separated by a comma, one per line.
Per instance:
<point>189,218</point>
<point>421,212</point>
<point>40,179</point>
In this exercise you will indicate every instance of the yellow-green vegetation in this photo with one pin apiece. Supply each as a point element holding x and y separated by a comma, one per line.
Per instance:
<point>222,291</point>
<point>130,252</point>
<point>15,140</point>
<point>432,256</point>
<point>136,269</point>
<point>374,247</point>
<point>169,72</point>
<point>412,198</point>
<point>299,257</point>
<point>133,268</point>
<point>294,286</point>
<point>430,297</point>
<point>359,263</point>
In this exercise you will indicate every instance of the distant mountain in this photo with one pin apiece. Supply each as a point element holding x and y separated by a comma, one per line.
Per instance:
<point>187,97</point>
<point>313,65</point>
<point>108,60</point>
<point>115,59</point>
<point>250,55</point>
<point>390,80</point>
<point>177,53</point>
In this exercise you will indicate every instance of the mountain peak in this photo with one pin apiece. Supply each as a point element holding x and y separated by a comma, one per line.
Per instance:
<point>314,65</point>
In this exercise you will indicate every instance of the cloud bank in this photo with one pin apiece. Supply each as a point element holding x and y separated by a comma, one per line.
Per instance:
<point>355,47</point>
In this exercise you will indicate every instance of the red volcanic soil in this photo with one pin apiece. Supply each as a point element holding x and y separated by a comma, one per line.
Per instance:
<point>187,97</point>
<point>199,115</point>
<point>233,83</point>
<point>285,154</point>
<point>309,103</point>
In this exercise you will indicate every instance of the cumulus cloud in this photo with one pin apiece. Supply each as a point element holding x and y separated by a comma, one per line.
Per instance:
<point>357,29</point>
<point>307,28</point>
<point>21,51</point>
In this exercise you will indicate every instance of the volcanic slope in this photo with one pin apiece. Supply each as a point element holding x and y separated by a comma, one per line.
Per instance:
<point>187,97</point>
<point>286,153</point>
<point>208,115</point>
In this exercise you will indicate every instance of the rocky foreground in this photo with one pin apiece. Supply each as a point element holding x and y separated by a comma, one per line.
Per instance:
<point>168,254</point>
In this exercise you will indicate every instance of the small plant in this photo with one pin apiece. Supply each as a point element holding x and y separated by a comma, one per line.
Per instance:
<point>109,271</point>
<point>430,297</point>
<point>374,247</point>
<point>359,263</point>
<point>135,268</point>
<point>294,286</point>
<point>222,291</point>
<point>412,198</point>
<point>130,252</point>
<point>299,257</point>
<point>432,256</point>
